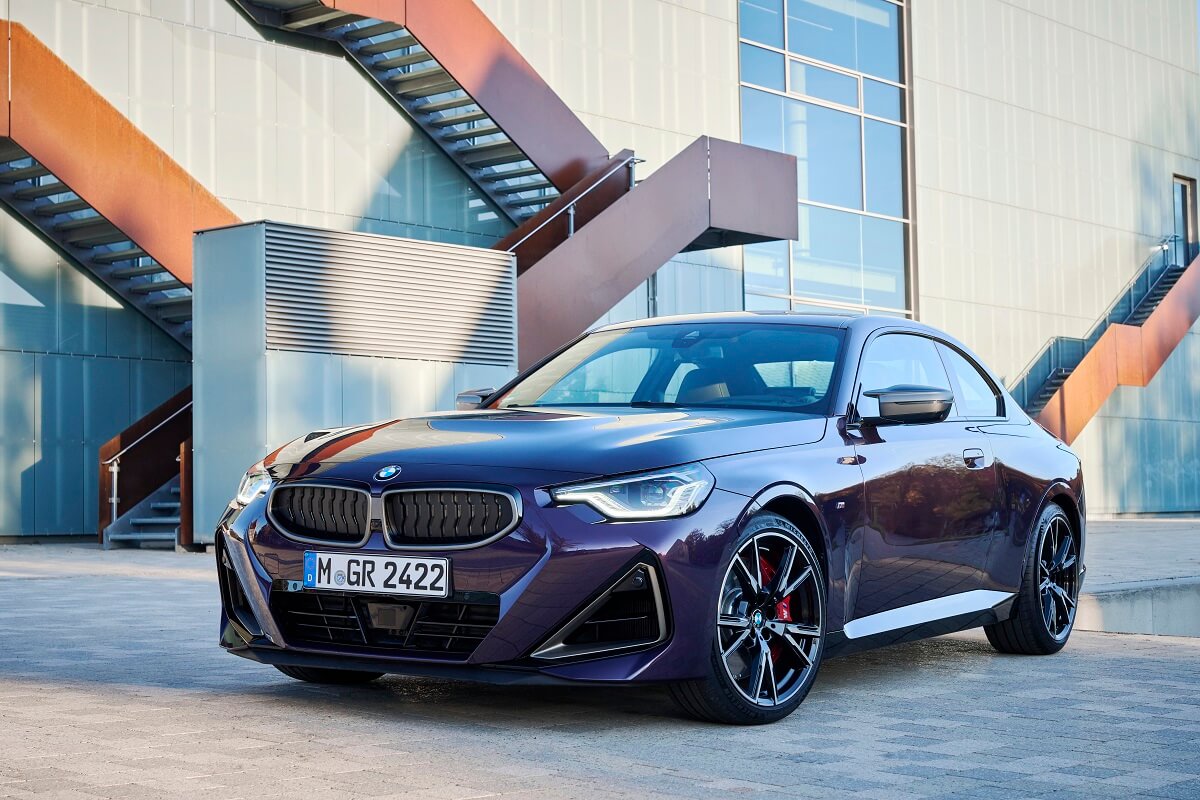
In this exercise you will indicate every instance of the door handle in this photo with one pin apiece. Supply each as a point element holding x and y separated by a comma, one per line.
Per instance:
<point>973,457</point>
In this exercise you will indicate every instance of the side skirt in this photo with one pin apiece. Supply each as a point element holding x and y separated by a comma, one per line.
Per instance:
<point>938,617</point>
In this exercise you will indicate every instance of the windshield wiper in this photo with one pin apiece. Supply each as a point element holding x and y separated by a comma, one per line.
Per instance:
<point>651,404</point>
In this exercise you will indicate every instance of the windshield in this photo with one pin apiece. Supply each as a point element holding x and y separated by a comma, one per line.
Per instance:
<point>718,364</point>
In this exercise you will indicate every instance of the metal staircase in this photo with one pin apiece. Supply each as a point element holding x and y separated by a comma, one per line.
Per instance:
<point>429,95</point>
<point>79,231</point>
<point>154,521</point>
<point>1055,362</point>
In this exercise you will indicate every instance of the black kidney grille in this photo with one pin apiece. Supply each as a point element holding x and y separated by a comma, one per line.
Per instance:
<point>446,516</point>
<point>322,512</point>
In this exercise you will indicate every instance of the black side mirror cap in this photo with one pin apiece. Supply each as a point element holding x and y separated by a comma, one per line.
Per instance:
<point>909,404</point>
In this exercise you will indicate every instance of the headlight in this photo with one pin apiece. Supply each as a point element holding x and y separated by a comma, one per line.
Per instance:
<point>255,483</point>
<point>663,493</point>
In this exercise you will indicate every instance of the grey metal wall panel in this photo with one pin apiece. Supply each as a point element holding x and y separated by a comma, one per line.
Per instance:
<point>361,294</point>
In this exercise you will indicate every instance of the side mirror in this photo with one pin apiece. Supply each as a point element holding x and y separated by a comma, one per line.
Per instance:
<point>471,399</point>
<point>901,404</point>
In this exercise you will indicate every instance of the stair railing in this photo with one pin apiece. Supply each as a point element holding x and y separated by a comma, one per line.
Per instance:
<point>114,463</point>
<point>630,162</point>
<point>1066,352</point>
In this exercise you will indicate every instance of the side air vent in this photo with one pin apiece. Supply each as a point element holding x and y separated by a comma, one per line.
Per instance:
<point>236,603</point>
<point>319,513</point>
<point>629,615</point>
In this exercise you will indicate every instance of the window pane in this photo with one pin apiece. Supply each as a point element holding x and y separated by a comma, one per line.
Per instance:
<point>762,21</point>
<point>766,267</point>
<point>897,359</point>
<point>762,119</point>
<point>883,262</point>
<point>827,259</point>
<point>883,100</point>
<point>757,302</point>
<point>884,168</point>
<point>976,396</point>
<point>762,67</point>
<point>827,146</point>
<point>863,35</point>
<point>810,308</point>
<point>836,87</point>
<point>611,377</point>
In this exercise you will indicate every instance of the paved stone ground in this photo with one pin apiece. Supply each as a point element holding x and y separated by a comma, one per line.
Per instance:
<point>1133,551</point>
<point>99,698</point>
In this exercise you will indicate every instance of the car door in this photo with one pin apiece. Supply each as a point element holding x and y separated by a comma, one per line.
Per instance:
<point>930,488</point>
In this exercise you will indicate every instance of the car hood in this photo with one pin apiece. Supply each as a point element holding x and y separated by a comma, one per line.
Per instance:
<point>572,440</point>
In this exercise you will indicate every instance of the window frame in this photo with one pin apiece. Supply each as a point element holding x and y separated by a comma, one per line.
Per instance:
<point>857,389</point>
<point>1001,404</point>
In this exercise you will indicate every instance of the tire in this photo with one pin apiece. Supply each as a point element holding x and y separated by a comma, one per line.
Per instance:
<point>782,632</point>
<point>1041,622</point>
<point>337,677</point>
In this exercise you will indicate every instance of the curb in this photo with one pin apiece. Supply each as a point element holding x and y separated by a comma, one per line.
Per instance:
<point>1164,607</point>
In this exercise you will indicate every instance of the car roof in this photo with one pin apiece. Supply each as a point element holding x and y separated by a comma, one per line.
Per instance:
<point>858,322</point>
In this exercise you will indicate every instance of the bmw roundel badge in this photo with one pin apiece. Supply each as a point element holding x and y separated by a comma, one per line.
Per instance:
<point>387,473</point>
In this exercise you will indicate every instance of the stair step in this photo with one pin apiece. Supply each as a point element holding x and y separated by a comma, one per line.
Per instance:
<point>524,187</point>
<point>176,300</point>
<point>422,83</point>
<point>82,223</point>
<point>405,60</point>
<point>125,254</point>
<point>447,104</point>
<point>143,536</point>
<point>96,236</point>
<point>472,133</point>
<point>528,202</point>
<point>149,287</point>
<point>177,315</point>
<point>458,119</point>
<point>41,190</point>
<point>23,173</point>
<point>164,520</point>
<point>124,273</point>
<point>174,490</point>
<point>522,172</point>
<point>62,207</point>
<point>165,506</point>
<point>491,154</point>
<point>368,31</point>
<point>386,46</point>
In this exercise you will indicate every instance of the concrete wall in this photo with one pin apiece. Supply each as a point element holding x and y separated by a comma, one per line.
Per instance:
<point>651,75</point>
<point>1046,138</point>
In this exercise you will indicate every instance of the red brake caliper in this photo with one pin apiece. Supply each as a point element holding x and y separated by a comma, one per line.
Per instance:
<point>783,611</point>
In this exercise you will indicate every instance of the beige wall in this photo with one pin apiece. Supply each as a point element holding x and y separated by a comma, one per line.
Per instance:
<point>1046,136</point>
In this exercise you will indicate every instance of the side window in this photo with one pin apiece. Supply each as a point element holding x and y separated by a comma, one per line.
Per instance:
<point>897,359</point>
<point>977,397</point>
<point>681,372</point>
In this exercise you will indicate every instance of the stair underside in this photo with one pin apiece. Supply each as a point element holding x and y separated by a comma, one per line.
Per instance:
<point>78,230</point>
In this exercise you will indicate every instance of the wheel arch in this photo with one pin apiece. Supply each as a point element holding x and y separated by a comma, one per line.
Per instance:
<point>1061,494</point>
<point>795,504</point>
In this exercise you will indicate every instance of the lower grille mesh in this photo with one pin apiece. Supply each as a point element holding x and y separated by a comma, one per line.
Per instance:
<point>441,629</point>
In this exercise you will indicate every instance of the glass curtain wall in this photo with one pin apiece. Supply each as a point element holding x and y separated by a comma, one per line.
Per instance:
<point>824,81</point>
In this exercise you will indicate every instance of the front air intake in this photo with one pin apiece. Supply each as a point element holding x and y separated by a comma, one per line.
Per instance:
<point>629,615</point>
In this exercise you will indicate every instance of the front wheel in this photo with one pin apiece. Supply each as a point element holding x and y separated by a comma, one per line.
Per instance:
<point>769,629</point>
<point>1043,612</point>
<point>339,677</point>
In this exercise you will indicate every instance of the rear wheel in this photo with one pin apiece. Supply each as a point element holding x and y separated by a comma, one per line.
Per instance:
<point>1043,612</point>
<point>340,677</point>
<point>769,629</point>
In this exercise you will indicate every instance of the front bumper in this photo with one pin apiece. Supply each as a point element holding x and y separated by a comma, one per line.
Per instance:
<point>540,577</point>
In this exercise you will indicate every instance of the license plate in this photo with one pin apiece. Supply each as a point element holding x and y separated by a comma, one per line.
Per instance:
<point>399,575</point>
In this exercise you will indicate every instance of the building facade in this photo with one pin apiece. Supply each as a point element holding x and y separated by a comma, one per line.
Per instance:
<point>997,168</point>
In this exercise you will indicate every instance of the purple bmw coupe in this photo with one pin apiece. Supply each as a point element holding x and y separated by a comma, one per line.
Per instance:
<point>715,503</point>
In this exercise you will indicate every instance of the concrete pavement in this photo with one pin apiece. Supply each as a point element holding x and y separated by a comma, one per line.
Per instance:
<point>112,686</point>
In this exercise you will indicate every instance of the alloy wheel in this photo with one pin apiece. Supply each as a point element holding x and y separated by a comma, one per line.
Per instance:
<point>771,618</point>
<point>1058,577</point>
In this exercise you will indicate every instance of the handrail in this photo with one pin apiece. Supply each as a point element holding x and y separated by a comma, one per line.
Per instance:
<point>138,441</point>
<point>1164,244</point>
<point>570,207</point>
